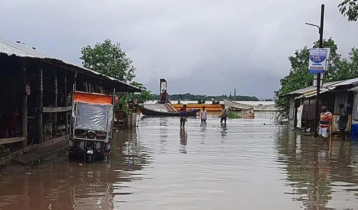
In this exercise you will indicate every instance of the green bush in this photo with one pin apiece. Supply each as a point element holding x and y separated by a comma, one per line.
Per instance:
<point>233,115</point>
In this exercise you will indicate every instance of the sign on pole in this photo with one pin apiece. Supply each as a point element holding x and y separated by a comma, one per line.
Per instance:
<point>315,80</point>
<point>318,60</point>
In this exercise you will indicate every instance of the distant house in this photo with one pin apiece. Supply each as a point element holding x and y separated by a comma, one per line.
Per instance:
<point>302,103</point>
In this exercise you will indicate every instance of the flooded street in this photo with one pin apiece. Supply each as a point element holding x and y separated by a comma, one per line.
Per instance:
<point>247,164</point>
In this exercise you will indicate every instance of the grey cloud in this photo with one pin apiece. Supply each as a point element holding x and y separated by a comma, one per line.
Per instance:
<point>203,47</point>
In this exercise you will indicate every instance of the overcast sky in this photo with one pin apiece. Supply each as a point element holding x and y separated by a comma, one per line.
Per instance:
<point>200,46</point>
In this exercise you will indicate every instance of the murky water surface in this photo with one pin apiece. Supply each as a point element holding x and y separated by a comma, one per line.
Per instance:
<point>248,164</point>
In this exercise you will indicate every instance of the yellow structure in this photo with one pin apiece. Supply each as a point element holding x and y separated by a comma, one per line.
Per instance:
<point>335,123</point>
<point>208,107</point>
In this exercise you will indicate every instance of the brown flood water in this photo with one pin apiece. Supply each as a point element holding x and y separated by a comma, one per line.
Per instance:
<point>249,164</point>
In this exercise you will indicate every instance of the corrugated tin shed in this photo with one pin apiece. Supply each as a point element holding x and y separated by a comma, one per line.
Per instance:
<point>21,50</point>
<point>328,86</point>
<point>310,88</point>
<point>353,82</point>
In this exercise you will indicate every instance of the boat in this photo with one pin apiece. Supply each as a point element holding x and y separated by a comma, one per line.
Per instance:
<point>208,107</point>
<point>241,106</point>
<point>248,114</point>
<point>163,107</point>
<point>236,105</point>
<point>165,113</point>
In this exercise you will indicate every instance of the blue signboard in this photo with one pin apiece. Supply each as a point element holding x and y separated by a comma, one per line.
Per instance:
<point>318,60</point>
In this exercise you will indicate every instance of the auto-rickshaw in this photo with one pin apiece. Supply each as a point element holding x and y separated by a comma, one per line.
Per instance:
<point>91,125</point>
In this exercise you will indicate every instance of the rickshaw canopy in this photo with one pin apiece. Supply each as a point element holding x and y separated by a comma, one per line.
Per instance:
<point>93,98</point>
<point>92,111</point>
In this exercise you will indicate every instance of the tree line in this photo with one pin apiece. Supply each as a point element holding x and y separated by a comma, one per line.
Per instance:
<point>193,97</point>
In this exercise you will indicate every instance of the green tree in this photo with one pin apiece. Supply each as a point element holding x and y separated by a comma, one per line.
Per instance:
<point>299,77</point>
<point>142,97</point>
<point>347,68</point>
<point>349,8</point>
<point>109,59</point>
<point>145,95</point>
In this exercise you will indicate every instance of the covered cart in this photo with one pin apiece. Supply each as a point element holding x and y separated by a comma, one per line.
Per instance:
<point>91,125</point>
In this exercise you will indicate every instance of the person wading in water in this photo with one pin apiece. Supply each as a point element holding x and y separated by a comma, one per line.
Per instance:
<point>223,115</point>
<point>183,115</point>
<point>325,124</point>
<point>203,115</point>
<point>342,122</point>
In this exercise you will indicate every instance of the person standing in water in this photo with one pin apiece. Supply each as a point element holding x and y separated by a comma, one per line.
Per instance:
<point>325,123</point>
<point>342,122</point>
<point>183,115</point>
<point>203,115</point>
<point>223,115</point>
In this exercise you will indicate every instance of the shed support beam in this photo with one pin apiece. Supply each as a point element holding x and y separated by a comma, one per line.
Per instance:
<point>40,107</point>
<point>24,103</point>
<point>55,101</point>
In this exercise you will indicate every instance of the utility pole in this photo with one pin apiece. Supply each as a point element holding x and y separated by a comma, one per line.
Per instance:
<point>317,117</point>
<point>318,79</point>
<point>319,75</point>
<point>235,94</point>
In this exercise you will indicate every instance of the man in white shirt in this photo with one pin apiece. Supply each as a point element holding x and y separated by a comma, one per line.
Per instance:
<point>203,115</point>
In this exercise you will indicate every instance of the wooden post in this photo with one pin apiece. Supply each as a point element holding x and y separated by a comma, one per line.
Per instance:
<point>24,103</point>
<point>306,117</point>
<point>75,82</point>
<point>55,102</point>
<point>94,85</point>
<point>40,107</point>
<point>66,102</point>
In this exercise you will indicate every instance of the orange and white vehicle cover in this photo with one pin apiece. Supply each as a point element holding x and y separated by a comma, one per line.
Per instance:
<point>93,98</point>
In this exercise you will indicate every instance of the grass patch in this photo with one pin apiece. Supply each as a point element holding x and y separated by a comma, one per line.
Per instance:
<point>233,115</point>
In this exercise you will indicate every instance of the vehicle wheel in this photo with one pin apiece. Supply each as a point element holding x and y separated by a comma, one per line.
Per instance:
<point>89,158</point>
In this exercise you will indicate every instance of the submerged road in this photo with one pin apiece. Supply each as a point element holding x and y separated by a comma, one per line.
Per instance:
<point>248,164</point>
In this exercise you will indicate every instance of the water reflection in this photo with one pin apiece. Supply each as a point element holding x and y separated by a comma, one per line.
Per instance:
<point>260,165</point>
<point>223,129</point>
<point>62,184</point>
<point>163,123</point>
<point>183,140</point>
<point>203,126</point>
<point>317,172</point>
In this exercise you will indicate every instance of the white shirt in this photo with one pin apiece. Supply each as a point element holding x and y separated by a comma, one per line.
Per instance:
<point>203,114</point>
